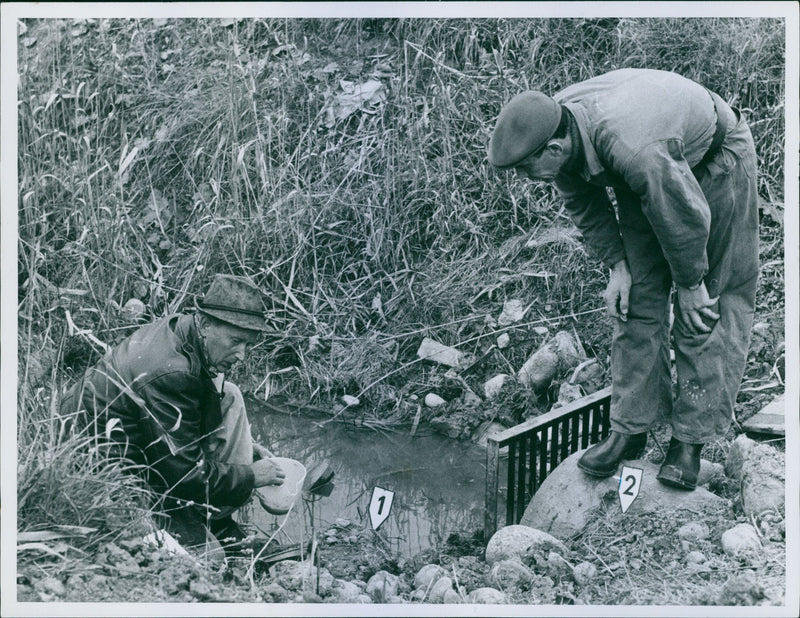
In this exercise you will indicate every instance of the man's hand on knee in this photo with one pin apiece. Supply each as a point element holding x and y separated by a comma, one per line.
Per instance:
<point>618,291</point>
<point>695,305</point>
<point>267,472</point>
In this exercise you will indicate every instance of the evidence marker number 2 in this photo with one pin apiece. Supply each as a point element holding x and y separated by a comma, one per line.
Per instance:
<point>630,482</point>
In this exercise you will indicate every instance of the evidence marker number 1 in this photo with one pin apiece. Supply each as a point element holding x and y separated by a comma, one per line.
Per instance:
<point>380,505</point>
<point>630,482</point>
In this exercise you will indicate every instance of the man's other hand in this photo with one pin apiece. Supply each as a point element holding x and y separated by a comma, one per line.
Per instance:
<point>618,291</point>
<point>267,472</point>
<point>695,305</point>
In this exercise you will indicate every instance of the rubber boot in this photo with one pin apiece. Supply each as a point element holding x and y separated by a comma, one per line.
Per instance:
<point>681,465</point>
<point>603,458</point>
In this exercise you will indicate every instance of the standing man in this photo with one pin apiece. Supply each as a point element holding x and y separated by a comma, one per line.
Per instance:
<point>682,167</point>
<point>160,397</point>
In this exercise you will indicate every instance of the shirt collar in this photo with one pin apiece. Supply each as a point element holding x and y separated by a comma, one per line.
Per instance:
<point>590,165</point>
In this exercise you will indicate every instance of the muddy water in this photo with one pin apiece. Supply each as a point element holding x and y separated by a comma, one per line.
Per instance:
<point>438,483</point>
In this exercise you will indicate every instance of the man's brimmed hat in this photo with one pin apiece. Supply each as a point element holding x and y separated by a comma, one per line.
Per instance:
<point>524,126</point>
<point>236,301</point>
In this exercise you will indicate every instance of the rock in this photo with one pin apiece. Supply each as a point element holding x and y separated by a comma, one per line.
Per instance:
<point>432,400</point>
<point>515,541</point>
<point>557,564</point>
<point>276,593</point>
<point>470,399</point>
<point>507,573</point>
<point>493,386</point>
<point>382,586</point>
<point>51,586</point>
<point>350,401</point>
<point>296,576</point>
<point>201,589</point>
<point>451,597</point>
<point>309,596</point>
<point>485,430</point>
<point>395,600</point>
<point>513,311</point>
<point>434,351</point>
<point>541,330</point>
<point>486,596</point>
<point>561,504</point>
<point>562,351</point>
<point>134,309</point>
<point>503,341</point>
<point>439,589</point>
<point>418,595</point>
<point>709,471</point>
<point>695,557</point>
<point>770,420</point>
<point>428,575</point>
<point>345,592</point>
<point>588,375</point>
<point>447,426</point>
<point>693,531</point>
<point>584,573</point>
<point>737,455</point>
<point>741,589</point>
<point>567,393</point>
<point>740,540</point>
<point>763,485</point>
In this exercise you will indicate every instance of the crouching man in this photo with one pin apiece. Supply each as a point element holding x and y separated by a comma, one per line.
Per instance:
<point>160,396</point>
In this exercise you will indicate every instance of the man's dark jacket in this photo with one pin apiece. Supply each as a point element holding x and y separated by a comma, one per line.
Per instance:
<point>156,385</point>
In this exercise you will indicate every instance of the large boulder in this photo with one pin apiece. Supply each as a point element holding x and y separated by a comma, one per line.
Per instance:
<point>562,503</point>
<point>515,541</point>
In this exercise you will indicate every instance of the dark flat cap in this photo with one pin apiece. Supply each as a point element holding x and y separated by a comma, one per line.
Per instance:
<point>523,127</point>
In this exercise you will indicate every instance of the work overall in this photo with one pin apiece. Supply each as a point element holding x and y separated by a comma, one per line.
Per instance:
<point>659,241</point>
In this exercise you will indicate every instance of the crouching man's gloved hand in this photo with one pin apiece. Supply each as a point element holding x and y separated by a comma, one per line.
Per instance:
<point>267,472</point>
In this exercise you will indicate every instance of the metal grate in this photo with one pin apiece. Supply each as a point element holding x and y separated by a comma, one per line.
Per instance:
<point>536,447</point>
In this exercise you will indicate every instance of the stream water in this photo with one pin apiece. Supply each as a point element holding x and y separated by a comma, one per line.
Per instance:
<point>438,483</point>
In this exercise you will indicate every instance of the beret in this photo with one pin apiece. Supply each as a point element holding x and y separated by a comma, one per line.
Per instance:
<point>523,127</point>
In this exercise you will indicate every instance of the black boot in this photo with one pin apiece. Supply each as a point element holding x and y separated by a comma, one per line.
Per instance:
<point>604,458</point>
<point>681,465</point>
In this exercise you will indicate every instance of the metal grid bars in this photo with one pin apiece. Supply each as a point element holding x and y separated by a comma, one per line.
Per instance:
<point>536,447</point>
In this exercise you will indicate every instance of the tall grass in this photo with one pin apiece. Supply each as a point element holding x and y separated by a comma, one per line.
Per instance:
<point>154,153</point>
